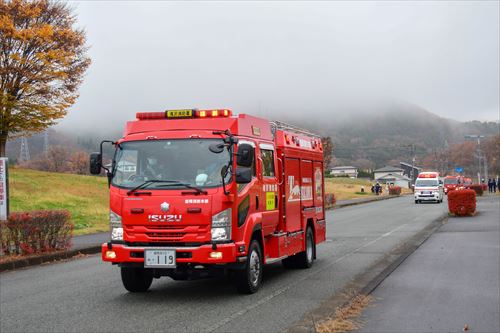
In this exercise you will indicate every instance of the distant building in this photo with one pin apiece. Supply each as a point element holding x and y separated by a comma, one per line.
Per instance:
<point>394,179</point>
<point>407,168</point>
<point>379,173</point>
<point>342,171</point>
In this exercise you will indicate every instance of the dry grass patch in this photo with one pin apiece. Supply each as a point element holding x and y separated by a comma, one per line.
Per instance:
<point>345,319</point>
<point>348,188</point>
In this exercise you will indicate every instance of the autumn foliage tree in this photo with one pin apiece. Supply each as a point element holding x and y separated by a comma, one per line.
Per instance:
<point>327,151</point>
<point>42,63</point>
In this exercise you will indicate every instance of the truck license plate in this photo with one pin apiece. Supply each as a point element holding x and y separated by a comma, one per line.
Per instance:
<point>159,258</point>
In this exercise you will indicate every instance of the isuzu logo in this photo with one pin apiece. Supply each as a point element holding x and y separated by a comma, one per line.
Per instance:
<point>165,207</point>
<point>165,218</point>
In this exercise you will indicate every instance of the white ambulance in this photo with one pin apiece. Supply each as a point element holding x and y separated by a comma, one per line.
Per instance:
<point>428,188</point>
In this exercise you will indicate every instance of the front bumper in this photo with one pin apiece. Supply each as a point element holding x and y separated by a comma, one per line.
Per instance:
<point>185,255</point>
<point>427,197</point>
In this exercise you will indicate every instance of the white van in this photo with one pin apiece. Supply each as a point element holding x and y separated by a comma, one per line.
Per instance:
<point>428,188</point>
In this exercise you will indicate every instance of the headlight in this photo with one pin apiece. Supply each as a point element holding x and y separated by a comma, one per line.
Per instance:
<point>115,223</point>
<point>221,226</point>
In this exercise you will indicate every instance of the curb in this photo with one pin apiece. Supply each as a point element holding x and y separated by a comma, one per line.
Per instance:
<point>365,201</point>
<point>366,282</point>
<point>15,264</point>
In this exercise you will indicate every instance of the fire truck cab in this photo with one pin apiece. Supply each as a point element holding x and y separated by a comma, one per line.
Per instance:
<point>451,183</point>
<point>194,193</point>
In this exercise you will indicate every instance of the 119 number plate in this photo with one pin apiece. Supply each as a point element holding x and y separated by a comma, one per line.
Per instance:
<point>159,258</point>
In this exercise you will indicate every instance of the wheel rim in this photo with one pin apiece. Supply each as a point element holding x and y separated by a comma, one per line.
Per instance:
<point>254,267</point>
<point>309,247</point>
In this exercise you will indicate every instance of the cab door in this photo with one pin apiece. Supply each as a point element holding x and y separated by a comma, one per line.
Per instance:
<point>248,196</point>
<point>269,188</point>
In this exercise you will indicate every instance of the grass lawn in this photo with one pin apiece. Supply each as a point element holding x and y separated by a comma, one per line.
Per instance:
<point>85,197</point>
<point>348,188</point>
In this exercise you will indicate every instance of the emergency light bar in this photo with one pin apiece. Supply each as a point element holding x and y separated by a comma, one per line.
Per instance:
<point>183,114</point>
<point>427,175</point>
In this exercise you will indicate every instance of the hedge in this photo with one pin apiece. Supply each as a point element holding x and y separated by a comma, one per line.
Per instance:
<point>462,202</point>
<point>35,232</point>
<point>330,200</point>
<point>394,190</point>
<point>476,187</point>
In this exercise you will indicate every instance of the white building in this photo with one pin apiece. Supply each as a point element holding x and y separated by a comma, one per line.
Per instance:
<point>342,171</point>
<point>379,173</point>
<point>394,179</point>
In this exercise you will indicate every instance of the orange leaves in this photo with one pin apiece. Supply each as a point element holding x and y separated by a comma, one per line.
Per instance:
<point>42,62</point>
<point>462,202</point>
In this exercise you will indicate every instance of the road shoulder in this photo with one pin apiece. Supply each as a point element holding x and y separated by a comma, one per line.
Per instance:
<point>449,283</point>
<point>365,282</point>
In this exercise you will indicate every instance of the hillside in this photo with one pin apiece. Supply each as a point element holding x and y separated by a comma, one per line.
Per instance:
<point>85,197</point>
<point>384,136</point>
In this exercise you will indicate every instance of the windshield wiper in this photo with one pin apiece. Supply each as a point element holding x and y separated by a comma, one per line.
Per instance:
<point>189,186</point>
<point>148,182</point>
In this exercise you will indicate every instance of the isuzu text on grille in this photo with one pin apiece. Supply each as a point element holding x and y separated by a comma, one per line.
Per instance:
<point>165,218</point>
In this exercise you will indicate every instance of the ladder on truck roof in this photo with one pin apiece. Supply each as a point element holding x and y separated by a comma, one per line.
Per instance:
<point>291,128</point>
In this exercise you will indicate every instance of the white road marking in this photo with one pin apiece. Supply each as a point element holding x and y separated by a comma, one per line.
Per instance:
<point>282,290</point>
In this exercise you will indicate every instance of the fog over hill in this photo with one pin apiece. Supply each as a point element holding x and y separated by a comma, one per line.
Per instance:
<point>385,133</point>
<point>363,135</point>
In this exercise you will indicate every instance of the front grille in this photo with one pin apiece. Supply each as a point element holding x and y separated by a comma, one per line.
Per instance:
<point>167,233</point>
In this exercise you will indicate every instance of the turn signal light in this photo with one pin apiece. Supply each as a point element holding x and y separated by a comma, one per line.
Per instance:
<point>216,255</point>
<point>110,254</point>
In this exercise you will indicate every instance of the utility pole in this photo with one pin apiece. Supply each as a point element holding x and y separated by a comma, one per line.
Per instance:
<point>413,158</point>
<point>46,142</point>
<point>479,156</point>
<point>24,155</point>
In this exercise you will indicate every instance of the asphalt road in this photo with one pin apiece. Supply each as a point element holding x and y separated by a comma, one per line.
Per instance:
<point>87,295</point>
<point>451,281</point>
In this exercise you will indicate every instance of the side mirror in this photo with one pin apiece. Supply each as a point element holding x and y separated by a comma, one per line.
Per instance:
<point>245,155</point>
<point>95,163</point>
<point>243,175</point>
<point>216,148</point>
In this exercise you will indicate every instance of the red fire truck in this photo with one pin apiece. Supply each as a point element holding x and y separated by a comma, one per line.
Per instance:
<point>194,193</point>
<point>451,183</point>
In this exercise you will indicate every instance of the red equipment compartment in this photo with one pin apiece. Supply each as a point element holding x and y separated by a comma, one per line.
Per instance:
<point>306,189</point>
<point>292,195</point>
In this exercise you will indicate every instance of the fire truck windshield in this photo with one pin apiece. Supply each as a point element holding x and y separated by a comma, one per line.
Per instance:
<point>450,181</point>
<point>187,161</point>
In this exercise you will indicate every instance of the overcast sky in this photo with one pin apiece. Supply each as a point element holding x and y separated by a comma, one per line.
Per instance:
<point>257,57</point>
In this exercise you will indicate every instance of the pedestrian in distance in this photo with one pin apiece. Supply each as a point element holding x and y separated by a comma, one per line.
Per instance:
<point>498,183</point>
<point>494,185</point>
<point>490,185</point>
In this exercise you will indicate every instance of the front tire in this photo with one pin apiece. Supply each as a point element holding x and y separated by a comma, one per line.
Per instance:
<point>136,279</point>
<point>249,279</point>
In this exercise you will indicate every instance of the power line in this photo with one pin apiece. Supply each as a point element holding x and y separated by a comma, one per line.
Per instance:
<point>24,154</point>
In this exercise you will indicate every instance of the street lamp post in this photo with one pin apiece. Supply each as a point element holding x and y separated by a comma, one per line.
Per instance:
<point>479,156</point>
